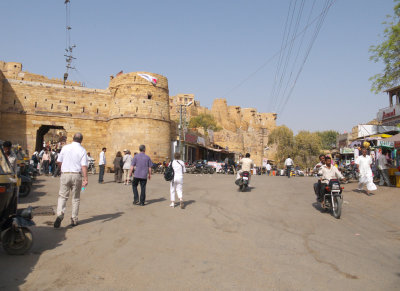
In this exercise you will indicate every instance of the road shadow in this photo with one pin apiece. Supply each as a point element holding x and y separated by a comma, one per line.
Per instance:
<point>17,268</point>
<point>151,201</point>
<point>103,217</point>
<point>34,195</point>
<point>188,202</point>
<point>318,207</point>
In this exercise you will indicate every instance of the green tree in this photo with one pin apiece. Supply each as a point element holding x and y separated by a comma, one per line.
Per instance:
<point>328,138</point>
<point>389,53</point>
<point>282,137</point>
<point>307,149</point>
<point>205,121</point>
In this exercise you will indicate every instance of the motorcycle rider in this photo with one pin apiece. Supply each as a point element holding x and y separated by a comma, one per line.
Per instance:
<point>328,172</point>
<point>247,164</point>
<point>316,169</point>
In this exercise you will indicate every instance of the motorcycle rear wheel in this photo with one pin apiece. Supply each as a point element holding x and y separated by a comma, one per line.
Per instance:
<point>24,190</point>
<point>337,206</point>
<point>17,248</point>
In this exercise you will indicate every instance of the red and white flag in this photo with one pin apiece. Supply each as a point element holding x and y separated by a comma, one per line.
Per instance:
<point>149,78</point>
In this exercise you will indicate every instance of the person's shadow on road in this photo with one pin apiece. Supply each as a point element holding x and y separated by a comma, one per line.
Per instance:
<point>151,201</point>
<point>188,202</point>
<point>103,217</point>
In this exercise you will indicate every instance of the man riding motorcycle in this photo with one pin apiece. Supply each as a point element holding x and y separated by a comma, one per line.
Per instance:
<point>327,172</point>
<point>316,170</point>
<point>247,164</point>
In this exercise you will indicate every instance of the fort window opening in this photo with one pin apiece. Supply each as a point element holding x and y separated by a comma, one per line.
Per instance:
<point>15,101</point>
<point>97,111</point>
<point>83,109</point>
<point>35,104</point>
<point>149,95</point>
<point>66,108</point>
<point>51,106</point>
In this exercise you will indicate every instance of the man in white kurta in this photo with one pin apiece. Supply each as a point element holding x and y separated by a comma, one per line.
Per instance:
<point>364,163</point>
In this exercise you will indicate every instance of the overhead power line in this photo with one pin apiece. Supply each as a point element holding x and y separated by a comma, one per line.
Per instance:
<point>287,42</point>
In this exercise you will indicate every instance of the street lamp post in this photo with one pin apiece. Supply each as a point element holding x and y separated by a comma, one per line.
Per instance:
<point>182,150</point>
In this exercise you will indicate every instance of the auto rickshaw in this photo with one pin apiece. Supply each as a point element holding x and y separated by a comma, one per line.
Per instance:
<point>15,236</point>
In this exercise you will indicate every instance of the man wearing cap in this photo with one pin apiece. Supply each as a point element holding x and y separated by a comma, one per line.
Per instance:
<point>127,160</point>
<point>73,162</point>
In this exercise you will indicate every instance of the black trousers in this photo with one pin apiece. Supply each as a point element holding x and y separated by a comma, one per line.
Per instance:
<point>288,170</point>
<point>143,183</point>
<point>101,173</point>
<point>322,191</point>
<point>46,166</point>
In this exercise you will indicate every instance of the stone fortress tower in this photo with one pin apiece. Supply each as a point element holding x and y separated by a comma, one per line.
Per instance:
<point>132,111</point>
<point>139,114</point>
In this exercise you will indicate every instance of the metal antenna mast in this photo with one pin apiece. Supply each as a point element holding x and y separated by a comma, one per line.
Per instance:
<point>68,47</point>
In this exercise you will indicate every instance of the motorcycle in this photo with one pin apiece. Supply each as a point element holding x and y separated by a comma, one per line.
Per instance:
<point>349,172</point>
<point>92,167</point>
<point>243,181</point>
<point>26,186</point>
<point>333,198</point>
<point>15,236</point>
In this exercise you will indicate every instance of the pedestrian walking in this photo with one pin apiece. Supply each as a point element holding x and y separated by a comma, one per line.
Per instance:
<point>46,158</point>
<point>73,162</point>
<point>176,185</point>
<point>127,159</point>
<point>142,165</point>
<point>289,164</point>
<point>268,168</point>
<point>118,164</point>
<point>364,163</point>
<point>383,169</point>
<point>102,165</point>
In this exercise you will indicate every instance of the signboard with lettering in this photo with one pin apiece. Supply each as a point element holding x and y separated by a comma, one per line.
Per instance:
<point>384,143</point>
<point>344,151</point>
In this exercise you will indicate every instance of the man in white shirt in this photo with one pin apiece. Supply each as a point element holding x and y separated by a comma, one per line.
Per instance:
<point>288,164</point>
<point>364,163</point>
<point>383,169</point>
<point>102,165</point>
<point>328,172</point>
<point>268,168</point>
<point>73,163</point>
<point>247,164</point>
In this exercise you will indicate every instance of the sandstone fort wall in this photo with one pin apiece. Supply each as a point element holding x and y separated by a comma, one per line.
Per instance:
<point>130,112</point>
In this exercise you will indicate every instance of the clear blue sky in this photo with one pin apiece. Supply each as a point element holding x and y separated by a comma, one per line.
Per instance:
<point>209,47</point>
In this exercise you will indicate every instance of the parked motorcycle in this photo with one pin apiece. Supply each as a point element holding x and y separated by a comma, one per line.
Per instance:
<point>349,172</point>
<point>16,238</point>
<point>92,167</point>
<point>333,198</point>
<point>243,181</point>
<point>26,186</point>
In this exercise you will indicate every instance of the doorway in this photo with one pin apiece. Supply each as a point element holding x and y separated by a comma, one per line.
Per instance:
<point>52,135</point>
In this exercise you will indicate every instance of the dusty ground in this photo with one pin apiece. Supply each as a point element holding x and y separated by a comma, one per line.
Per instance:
<point>273,237</point>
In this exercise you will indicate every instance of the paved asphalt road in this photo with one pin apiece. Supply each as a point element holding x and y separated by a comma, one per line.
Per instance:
<point>273,237</point>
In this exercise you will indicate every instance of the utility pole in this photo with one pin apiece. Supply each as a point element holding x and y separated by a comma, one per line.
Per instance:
<point>180,129</point>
